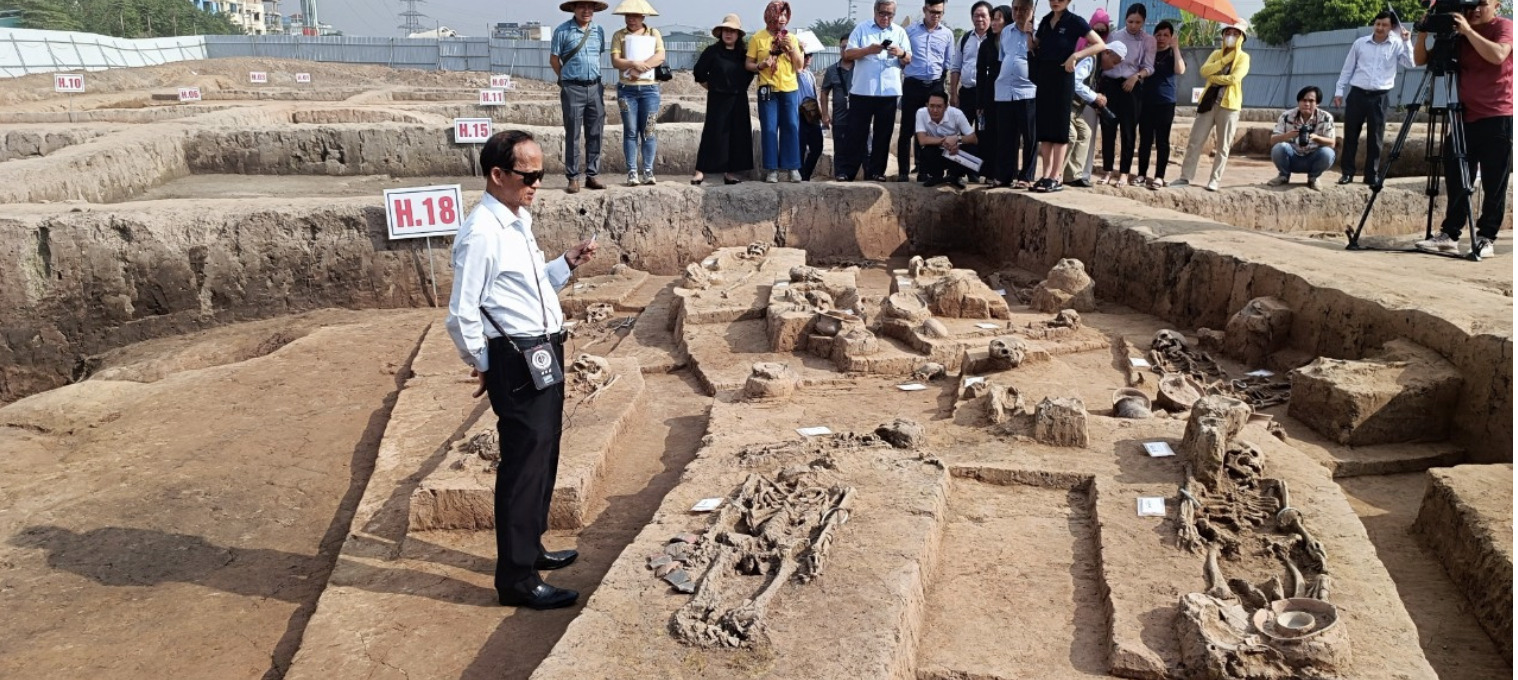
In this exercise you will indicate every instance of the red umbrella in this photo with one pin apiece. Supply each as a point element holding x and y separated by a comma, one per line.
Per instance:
<point>1221,11</point>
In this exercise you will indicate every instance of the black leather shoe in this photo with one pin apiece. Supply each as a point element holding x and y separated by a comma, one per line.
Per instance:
<point>1079,183</point>
<point>932,181</point>
<point>1346,179</point>
<point>542,597</point>
<point>557,559</point>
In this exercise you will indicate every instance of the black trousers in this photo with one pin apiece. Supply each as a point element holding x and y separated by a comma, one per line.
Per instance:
<point>1125,105</point>
<point>1016,130</point>
<point>529,422</point>
<point>1154,132</point>
<point>870,116</point>
<point>1363,108</point>
<point>811,148</point>
<point>914,96</point>
<point>969,103</point>
<point>931,161</point>
<point>1489,148</point>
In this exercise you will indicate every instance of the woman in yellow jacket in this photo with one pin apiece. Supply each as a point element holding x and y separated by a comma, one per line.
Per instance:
<point>1218,111</point>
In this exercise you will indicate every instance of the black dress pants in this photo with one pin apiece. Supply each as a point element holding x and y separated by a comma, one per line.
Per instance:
<point>1154,133</point>
<point>870,116</point>
<point>1363,108</point>
<point>914,96</point>
<point>1125,105</point>
<point>529,424</point>
<point>1016,130</point>
<point>1489,148</point>
<point>811,148</point>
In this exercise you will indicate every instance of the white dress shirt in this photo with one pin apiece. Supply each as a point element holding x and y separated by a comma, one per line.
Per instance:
<point>877,75</point>
<point>1082,74</point>
<point>966,54</point>
<point>1372,65</point>
<point>953,122</point>
<point>497,265</point>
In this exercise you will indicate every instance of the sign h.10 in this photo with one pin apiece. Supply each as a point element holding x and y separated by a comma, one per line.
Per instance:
<point>424,211</point>
<point>68,82</point>
<point>492,97</point>
<point>258,77</point>
<point>302,77</point>
<point>501,82</point>
<point>471,130</point>
<point>189,94</point>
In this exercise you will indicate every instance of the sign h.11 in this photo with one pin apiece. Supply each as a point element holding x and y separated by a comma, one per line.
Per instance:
<point>302,77</point>
<point>424,211</point>
<point>492,97</point>
<point>471,130</point>
<point>189,94</point>
<point>258,77</point>
<point>68,82</point>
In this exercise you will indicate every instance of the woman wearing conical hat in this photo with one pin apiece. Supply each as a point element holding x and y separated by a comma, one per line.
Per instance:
<point>727,136</point>
<point>637,90</point>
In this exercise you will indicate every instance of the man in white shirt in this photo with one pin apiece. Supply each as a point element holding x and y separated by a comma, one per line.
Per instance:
<point>880,50</point>
<point>942,129</point>
<point>505,319</point>
<point>963,86</point>
<point>1369,73</point>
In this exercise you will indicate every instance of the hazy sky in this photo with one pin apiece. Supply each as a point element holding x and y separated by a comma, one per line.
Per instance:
<point>471,17</point>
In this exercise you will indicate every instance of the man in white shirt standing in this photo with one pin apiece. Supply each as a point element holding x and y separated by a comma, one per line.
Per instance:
<point>505,319</point>
<point>963,92</point>
<point>880,50</point>
<point>942,129</point>
<point>1369,73</point>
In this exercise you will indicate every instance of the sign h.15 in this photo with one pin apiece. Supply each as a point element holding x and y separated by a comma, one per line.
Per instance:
<point>424,211</point>
<point>471,130</point>
<point>68,82</point>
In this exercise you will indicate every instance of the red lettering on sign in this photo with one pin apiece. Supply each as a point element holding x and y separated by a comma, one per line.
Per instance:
<point>403,216</point>
<point>445,210</point>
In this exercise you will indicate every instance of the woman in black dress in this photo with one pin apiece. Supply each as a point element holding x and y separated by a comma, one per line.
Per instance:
<point>987,68</point>
<point>1053,64</point>
<point>727,137</point>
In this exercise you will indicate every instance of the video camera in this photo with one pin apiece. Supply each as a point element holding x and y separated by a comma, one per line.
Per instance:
<point>1440,19</point>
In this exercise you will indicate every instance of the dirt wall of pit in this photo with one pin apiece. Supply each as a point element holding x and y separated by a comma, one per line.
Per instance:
<point>73,284</point>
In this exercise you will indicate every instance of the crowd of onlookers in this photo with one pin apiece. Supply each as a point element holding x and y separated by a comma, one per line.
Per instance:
<point>1015,102</point>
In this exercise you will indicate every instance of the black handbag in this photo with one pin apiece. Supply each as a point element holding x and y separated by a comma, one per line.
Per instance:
<point>663,74</point>
<point>1210,95</point>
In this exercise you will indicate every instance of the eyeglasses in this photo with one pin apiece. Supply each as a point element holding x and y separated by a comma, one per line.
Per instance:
<point>529,178</point>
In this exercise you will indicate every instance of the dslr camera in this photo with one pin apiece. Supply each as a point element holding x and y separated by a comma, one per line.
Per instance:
<point>1440,20</point>
<point>1304,134</point>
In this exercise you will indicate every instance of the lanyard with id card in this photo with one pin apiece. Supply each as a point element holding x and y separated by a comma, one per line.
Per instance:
<point>542,362</point>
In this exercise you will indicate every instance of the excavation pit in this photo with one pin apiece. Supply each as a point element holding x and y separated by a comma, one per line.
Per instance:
<point>203,229</point>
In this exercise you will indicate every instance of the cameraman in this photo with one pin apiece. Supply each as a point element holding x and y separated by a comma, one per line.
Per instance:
<point>1484,45</point>
<point>1087,74</point>
<point>1303,140</point>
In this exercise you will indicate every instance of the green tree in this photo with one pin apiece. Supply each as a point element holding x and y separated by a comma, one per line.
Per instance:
<point>1279,20</point>
<point>46,15</point>
<point>121,18</point>
<point>831,31</point>
<point>1198,32</point>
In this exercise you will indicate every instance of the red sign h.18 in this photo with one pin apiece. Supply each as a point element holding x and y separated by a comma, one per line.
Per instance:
<point>68,82</point>
<point>424,211</point>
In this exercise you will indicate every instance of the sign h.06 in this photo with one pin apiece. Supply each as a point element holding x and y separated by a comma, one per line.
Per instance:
<point>189,94</point>
<point>424,211</point>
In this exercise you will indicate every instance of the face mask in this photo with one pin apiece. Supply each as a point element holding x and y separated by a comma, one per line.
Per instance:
<point>1230,41</point>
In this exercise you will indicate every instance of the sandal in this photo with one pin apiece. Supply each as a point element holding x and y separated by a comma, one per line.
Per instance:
<point>1156,184</point>
<point>696,181</point>
<point>1054,185</point>
<point>1022,184</point>
<point>730,180</point>
<point>1106,179</point>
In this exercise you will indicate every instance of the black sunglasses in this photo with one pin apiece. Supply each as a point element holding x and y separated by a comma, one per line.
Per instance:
<point>528,178</point>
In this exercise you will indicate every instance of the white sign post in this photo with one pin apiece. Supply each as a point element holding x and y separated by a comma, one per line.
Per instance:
<point>68,83</point>
<point>471,131</point>
<point>189,94</point>
<point>258,77</point>
<point>424,212</point>
<point>492,97</point>
<point>501,82</point>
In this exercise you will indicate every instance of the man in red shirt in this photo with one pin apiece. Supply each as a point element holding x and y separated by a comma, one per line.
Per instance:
<point>1485,62</point>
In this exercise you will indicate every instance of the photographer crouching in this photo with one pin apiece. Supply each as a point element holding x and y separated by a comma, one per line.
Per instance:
<point>1484,64</point>
<point>1303,140</point>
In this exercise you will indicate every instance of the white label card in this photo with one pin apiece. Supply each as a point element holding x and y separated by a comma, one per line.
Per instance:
<point>302,77</point>
<point>1137,362</point>
<point>492,97</point>
<point>912,387</point>
<point>189,94</point>
<point>974,379</point>
<point>1151,506</point>
<point>813,431</point>
<point>68,82</point>
<point>1001,291</point>
<point>1262,373</point>
<point>258,77</point>
<point>987,326</point>
<point>1158,449</point>
<point>424,211</point>
<point>471,130</point>
<point>706,505</point>
<point>1196,94</point>
<point>501,82</point>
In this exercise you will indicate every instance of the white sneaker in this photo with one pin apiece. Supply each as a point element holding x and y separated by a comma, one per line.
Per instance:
<point>771,177</point>
<point>632,178</point>
<point>1484,247</point>
<point>1438,244</point>
<point>1212,186</point>
<point>795,175</point>
<point>649,179</point>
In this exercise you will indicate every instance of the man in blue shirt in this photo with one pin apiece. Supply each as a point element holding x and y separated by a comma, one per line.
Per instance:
<point>879,50</point>
<point>575,55</point>
<point>932,47</point>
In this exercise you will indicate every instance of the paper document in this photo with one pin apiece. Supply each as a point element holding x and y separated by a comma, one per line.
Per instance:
<point>1262,373</point>
<point>1138,363</point>
<point>1158,449</point>
<point>813,431</point>
<point>987,326</point>
<point>912,387</point>
<point>707,505</point>
<point>1151,506</point>
<point>639,48</point>
<point>965,159</point>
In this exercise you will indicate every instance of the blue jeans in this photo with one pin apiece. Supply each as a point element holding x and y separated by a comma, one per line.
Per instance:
<point>640,108</point>
<point>1289,161</point>
<point>781,148</point>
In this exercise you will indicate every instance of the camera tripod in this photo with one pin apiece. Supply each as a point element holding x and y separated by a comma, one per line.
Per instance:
<point>1444,122</point>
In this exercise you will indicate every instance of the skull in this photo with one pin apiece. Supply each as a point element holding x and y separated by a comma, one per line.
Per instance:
<point>929,371</point>
<point>697,277</point>
<point>1168,341</point>
<point>599,311</point>
<point>1066,318</point>
<point>819,299</point>
<point>757,249</point>
<point>590,369</point>
<point>1008,352</point>
<point>805,274</point>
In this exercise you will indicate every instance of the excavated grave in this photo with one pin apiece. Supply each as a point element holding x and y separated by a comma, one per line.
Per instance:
<point>1467,521</point>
